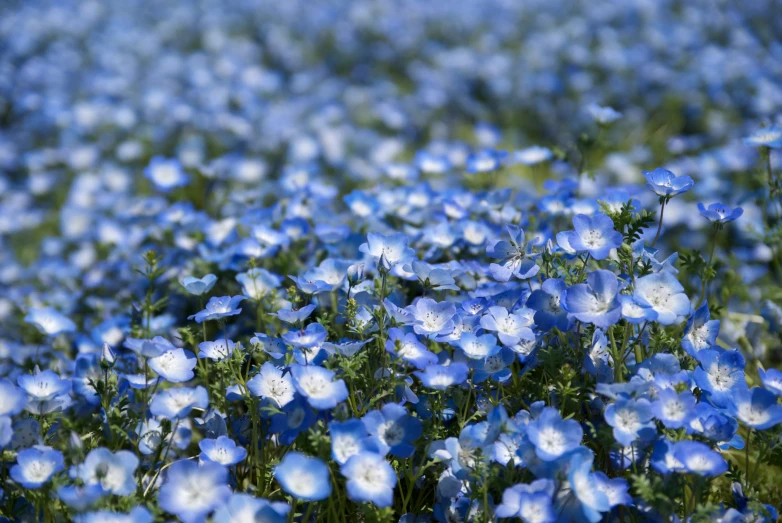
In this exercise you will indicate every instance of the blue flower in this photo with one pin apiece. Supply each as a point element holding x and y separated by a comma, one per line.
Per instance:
<point>217,350</point>
<point>701,331</point>
<point>757,408</point>
<point>318,386</point>
<point>485,160</point>
<point>49,321</point>
<point>697,458</point>
<point>257,283</point>
<point>719,213</point>
<point>393,430</point>
<point>303,477</point>
<point>631,420</point>
<point>496,367</point>
<point>547,304</point>
<point>81,497</point>
<point>663,293</point>
<point>166,174</point>
<point>478,347</point>
<point>770,136</point>
<point>175,365</point>
<point>36,466</point>
<point>593,234</point>
<point>517,256</point>
<point>14,398</point>
<point>712,424</point>
<point>408,348</point>
<point>440,377</point>
<point>603,115</point>
<point>533,155</point>
<point>596,301</point>
<point>43,385</point>
<point>273,385</point>
<point>432,318</point>
<point>240,508</point>
<point>113,472</point>
<point>179,402</point>
<point>136,515</point>
<point>666,184</point>
<point>434,278</point>
<point>390,249</point>
<point>532,503</point>
<point>720,375</point>
<point>370,478</point>
<point>585,489</point>
<point>772,380</point>
<point>219,308</point>
<point>673,409</point>
<point>297,416</point>
<point>552,436</point>
<point>310,337</point>
<point>190,491</point>
<point>222,450</point>
<point>511,328</point>
<point>199,286</point>
<point>348,438</point>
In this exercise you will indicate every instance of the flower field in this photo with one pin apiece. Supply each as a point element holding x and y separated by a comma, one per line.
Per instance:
<point>390,261</point>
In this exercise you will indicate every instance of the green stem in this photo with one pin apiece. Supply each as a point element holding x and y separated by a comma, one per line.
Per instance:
<point>660,225</point>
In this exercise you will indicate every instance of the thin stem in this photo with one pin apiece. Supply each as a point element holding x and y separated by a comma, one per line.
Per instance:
<point>660,225</point>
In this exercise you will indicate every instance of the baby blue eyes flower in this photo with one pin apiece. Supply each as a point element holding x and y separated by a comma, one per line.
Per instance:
<point>43,385</point>
<point>175,365</point>
<point>532,503</point>
<point>478,347</point>
<point>701,331</point>
<point>303,477</point>
<point>697,458</point>
<point>511,328</point>
<point>585,488</point>
<point>440,377</point>
<point>603,115</point>
<point>719,213</point>
<point>663,293</point>
<point>312,336</point>
<point>219,308</point>
<point>672,409</point>
<point>216,350</point>
<point>272,384</point>
<point>318,386</point>
<point>666,184</point>
<point>770,136</point>
<point>408,348</point>
<point>533,155</point>
<point>370,478</point>
<point>191,491</point>
<point>49,321</point>
<point>243,508</point>
<point>720,375</point>
<point>552,436</point>
<point>349,438</point>
<point>257,283</point>
<point>593,234</point>
<point>516,255</point>
<point>392,248</point>
<point>596,301</point>
<point>631,420</point>
<point>432,318</point>
<point>166,174</point>
<point>772,380</point>
<point>36,466</point>
<point>136,515</point>
<point>13,398</point>
<point>222,451</point>
<point>485,160</point>
<point>757,408</point>
<point>547,304</point>
<point>178,402</point>
<point>199,286</point>
<point>393,430</point>
<point>113,472</point>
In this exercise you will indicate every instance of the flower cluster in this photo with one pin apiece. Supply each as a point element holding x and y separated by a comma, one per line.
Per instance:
<point>390,261</point>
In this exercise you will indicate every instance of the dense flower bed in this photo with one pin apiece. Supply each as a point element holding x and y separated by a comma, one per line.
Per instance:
<point>390,261</point>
